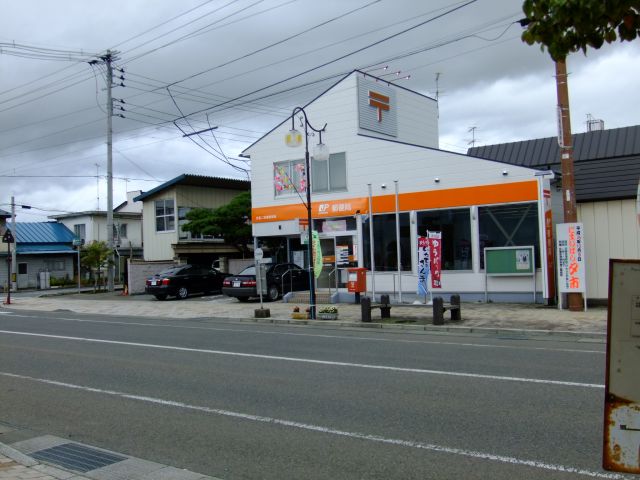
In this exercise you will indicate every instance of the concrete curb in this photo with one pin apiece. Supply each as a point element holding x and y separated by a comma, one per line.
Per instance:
<point>454,329</point>
<point>17,456</point>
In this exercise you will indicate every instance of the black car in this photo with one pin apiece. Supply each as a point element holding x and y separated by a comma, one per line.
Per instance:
<point>183,280</point>
<point>281,278</point>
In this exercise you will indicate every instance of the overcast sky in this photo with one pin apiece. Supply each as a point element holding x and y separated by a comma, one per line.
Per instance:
<point>243,65</point>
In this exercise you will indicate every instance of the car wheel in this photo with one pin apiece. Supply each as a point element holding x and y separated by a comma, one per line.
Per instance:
<point>243,299</point>
<point>161,297</point>
<point>272,293</point>
<point>183,293</point>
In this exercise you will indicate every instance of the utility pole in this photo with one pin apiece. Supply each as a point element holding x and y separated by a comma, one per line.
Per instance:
<point>574,300</point>
<point>14,258</point>
<point>108,59</point>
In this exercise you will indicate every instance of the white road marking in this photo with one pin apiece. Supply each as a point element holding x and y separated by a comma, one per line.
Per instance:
<point>331,431</point>
<point>312,361</point>
<point>319,335</point>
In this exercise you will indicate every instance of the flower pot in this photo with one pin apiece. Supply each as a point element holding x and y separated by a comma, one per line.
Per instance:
<point>300,315</point>
<point>327,316</point>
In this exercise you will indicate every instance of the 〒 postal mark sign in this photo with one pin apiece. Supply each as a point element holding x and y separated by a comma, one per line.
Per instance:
<point>621,449</point>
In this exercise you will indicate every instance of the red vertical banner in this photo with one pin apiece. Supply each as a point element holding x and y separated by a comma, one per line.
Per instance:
<point>435,257</point>
<point>548,234</point>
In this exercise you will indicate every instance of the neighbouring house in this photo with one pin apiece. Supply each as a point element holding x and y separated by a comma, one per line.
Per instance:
<point>127,229</point>
<point>164,212</point>
<point>41,247</point>
<point>384,164</point>
<point>606,176</point>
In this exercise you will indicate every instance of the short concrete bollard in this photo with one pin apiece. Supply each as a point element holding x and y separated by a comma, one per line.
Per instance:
<point>438,311</point>
<point>456,309</point>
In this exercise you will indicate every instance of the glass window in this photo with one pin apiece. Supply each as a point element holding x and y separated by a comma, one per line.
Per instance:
<point>289,177</point>
<point>509,225</point>
<point>384,241</point>
<point>329,175</point>
<point>165,221</point>
<point>455,225</point>
<point>119,232</point>
<point>80,230</point>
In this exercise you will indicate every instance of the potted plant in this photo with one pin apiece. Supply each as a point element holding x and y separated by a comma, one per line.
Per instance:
<point>328,313</point>
<point>296,314</point>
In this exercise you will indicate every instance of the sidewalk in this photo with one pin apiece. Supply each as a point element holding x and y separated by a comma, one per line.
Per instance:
<point>475,315</point>
<point>15,465</point>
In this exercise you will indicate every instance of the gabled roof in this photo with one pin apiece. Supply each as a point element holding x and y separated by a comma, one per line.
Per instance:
<point>42,233</point>
<point>606,162</point>
<point>4,214</point>
<point>342,79</point>
<point>198,181</point>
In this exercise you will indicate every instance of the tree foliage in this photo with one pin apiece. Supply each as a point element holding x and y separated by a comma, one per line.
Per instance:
<point>228,221</point>
<point>95,256</point>
<point>565,26</point>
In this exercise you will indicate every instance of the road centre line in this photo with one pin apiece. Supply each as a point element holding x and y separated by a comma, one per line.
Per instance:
<point>330,431</point>
<point>346,337</point>
<point>312,361</point>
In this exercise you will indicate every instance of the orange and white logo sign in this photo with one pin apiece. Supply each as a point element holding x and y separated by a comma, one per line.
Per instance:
<point>379,101</point>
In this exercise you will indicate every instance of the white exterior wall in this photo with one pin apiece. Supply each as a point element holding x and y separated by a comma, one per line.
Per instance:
<point>611,231</point>
<point>157,245</point>
<point>417,118</point>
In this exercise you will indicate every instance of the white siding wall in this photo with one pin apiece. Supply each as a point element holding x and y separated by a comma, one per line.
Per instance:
<point>417,118</point>
<point>157,245</point>
<point>370,160</point>
<point>611,231</point>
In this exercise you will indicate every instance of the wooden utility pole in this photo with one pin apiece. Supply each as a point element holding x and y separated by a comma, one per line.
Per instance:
<point>574,300</point>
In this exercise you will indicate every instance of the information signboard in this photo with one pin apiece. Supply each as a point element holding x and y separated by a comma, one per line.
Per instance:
<point>621,446</point>
<point>509,262</point>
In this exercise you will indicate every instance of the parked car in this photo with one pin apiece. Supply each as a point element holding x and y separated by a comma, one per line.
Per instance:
<point>281,278</point>
<point>183,280</point>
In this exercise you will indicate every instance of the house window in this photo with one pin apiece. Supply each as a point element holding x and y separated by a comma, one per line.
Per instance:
<point>329,175</point>
<point>55,265</point>
<point>22,269</point>
<point>509,226</point>
<point>183,234</point>
<point>165,220</point>
<point>289,177</point>
<point>80,231</point>
<point>119,232</point>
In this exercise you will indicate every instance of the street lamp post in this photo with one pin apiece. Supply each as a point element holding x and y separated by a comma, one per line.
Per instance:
<point>321,152</point>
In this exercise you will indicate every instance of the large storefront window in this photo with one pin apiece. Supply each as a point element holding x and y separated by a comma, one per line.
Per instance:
<point>509,226</point>
<point>329,175</point>
<point>384,241</point>
<point>455,225</point>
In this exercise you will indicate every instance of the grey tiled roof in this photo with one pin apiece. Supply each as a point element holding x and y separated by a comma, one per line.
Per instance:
<point>606,162</point>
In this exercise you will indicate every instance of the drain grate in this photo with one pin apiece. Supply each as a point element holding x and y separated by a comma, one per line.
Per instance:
<point>77,457</point>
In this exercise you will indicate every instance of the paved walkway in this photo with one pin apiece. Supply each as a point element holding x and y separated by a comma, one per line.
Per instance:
<point>474,315</point>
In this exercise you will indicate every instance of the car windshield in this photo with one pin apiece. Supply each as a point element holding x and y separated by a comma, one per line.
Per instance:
<point>248,271</point>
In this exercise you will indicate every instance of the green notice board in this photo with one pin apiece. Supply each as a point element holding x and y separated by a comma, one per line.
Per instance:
<point>509,261</point>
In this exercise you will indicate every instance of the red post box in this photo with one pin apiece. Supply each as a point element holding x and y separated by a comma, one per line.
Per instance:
<point>357,282</point>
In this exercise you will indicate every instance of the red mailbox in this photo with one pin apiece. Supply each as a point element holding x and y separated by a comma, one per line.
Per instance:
<point>357,280</point>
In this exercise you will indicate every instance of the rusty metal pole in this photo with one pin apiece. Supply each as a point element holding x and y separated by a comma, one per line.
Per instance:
<point>574,300</point>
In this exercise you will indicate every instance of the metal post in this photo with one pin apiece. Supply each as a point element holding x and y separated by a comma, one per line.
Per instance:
<point>312,278</point>
<point>108,58</point>
<point>13,276</point>
<point>79,248</point>
<point>9,262</point>
<point>373,265</point>
<point>398,244</point>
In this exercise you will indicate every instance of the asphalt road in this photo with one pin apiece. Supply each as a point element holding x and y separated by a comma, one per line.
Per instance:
<point>245,401</point>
